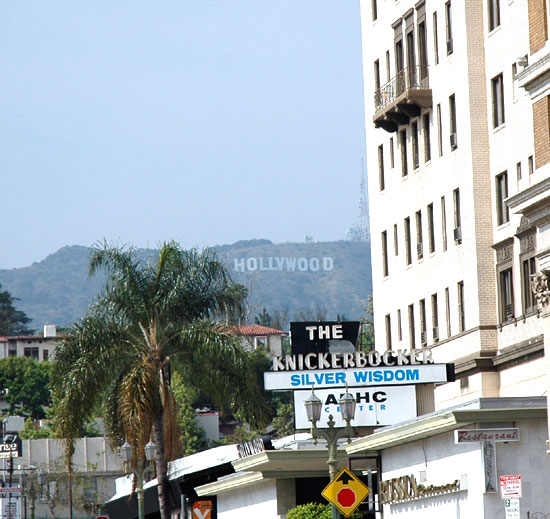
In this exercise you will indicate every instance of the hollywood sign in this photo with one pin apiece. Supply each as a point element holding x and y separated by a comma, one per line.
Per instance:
<point>283,263</point>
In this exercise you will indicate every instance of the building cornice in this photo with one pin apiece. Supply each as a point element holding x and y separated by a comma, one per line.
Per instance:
<point>229,483</point>
<point>527,196</point>
<point>445,421</point>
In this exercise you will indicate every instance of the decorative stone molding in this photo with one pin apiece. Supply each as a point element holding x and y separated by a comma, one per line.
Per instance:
<point>541,288</point>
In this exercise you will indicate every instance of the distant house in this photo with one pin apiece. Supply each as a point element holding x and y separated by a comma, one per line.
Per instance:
<point>255,335</point>
<point>38,347</point>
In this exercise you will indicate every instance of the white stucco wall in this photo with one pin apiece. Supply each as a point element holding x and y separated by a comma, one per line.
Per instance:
<point>443,461</point>
<point>268,499</point>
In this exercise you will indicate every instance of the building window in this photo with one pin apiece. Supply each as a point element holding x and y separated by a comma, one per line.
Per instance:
<point>461,309</point>
<point>427,140</point>
<point>435,319</point>
<point>431,232</point>
<point>392,159</point>
<point>449,27</point>
<point>452,122</point>
<point>412,341</point>
<point>518,170</point>
<point>399,328</point>
<point>423,336</point>
<point>530,165</point>
<point>403,142</point>
<point>415,151</point>
<point>439,131</point>
<point>388,69</point>
<point>448,311</point>
<point>436,42</point>
<point>388,332</point>
<point>528,263</point>
<point>395,241</point>
<point>381,178</point>
<point>422,51</point>
<point>374,5</point>
<point>444,223</point>
<point>45,354</point>
<point>419,244</point>
<point>31,352</point>
<point>497,89</point>
<point>504,259</point>
<point>376,76</point>
<point>506,293</point>
<point>494,14</point>
<point>501,184</point>
<point>457,217</point>
<point>528,270</point>
<point>385,269</point>
<point>408,252</point>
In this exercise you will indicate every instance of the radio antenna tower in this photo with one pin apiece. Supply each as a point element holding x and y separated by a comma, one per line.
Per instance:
<point>364,223</point>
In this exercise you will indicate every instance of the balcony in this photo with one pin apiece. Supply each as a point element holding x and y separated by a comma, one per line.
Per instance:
<point>402,98</point>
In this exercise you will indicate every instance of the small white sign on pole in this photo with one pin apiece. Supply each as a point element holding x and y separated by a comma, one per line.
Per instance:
<point>510,486</point>
<point>511,509</point>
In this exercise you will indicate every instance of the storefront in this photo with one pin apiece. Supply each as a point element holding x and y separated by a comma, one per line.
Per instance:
<point>452,463</point>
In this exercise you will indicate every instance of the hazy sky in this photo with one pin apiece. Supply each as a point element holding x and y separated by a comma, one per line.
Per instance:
<point>203,121</point>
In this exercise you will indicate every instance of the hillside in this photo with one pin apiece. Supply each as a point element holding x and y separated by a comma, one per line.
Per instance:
<point>305,278</point>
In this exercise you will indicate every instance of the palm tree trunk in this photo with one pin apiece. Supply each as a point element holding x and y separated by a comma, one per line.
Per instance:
<point>162,466</point>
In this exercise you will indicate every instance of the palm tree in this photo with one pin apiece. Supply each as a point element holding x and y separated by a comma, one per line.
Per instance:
<point>153,317</point>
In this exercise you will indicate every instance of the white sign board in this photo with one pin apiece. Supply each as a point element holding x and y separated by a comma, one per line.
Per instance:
<point>510,486</point>
<point>511,508</point>
<point>10,507</point>
<point>492,435</point>
<point>329,378</point>
<point>375,406</point>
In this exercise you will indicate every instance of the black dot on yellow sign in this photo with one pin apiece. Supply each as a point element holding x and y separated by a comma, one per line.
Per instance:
<point>346,492</point>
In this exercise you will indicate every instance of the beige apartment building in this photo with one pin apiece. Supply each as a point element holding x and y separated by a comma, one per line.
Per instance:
<point>457,97</point>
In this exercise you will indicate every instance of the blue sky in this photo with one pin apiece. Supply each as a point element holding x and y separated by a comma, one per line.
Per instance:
<point>203,121</point>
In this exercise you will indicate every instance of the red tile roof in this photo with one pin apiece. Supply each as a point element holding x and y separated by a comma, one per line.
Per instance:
<point>254,329</point>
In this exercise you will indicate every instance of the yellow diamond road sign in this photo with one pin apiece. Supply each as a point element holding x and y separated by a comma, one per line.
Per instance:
<point>346,492</point>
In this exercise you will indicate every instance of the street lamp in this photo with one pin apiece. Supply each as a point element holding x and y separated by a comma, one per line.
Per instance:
<point>143,466</point>
<point>314,406</point>
<point>33,491</point>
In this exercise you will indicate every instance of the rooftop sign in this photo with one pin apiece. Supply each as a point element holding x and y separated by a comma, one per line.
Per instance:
<point>394,375</point>
<point>376,406</point>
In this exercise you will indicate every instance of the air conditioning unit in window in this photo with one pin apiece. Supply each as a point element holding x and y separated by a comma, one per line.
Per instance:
<point>458,234</point>
<point>509,310</point>
<point>435,333</point>
<point>449,46</point>
<point>423,338</point>
<point>419,249</point>
<point>452,138</point>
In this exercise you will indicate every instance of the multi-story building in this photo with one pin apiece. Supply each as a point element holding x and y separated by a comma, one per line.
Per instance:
<point>38,347</point>
<point>457,97</point>
<point>457,124</point>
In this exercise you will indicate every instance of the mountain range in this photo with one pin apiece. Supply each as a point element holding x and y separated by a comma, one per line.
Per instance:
<point>326,280</point>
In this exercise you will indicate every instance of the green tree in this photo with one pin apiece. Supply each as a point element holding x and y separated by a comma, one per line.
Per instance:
<point>192,436</point>
<point>263,318</point>
<point>12,321</point>
<point>26,386</point>
<point>152,317</point>
<point>366,332</point>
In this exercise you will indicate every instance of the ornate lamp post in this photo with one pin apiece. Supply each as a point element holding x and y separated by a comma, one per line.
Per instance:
<point>314,406</point>
<point>33,491</point>
<point>143,466</point>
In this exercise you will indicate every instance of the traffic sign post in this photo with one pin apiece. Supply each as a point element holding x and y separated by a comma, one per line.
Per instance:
<point>346,492</point>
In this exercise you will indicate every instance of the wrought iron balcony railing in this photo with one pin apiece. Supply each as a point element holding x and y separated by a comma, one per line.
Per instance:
<point>414,78</point>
